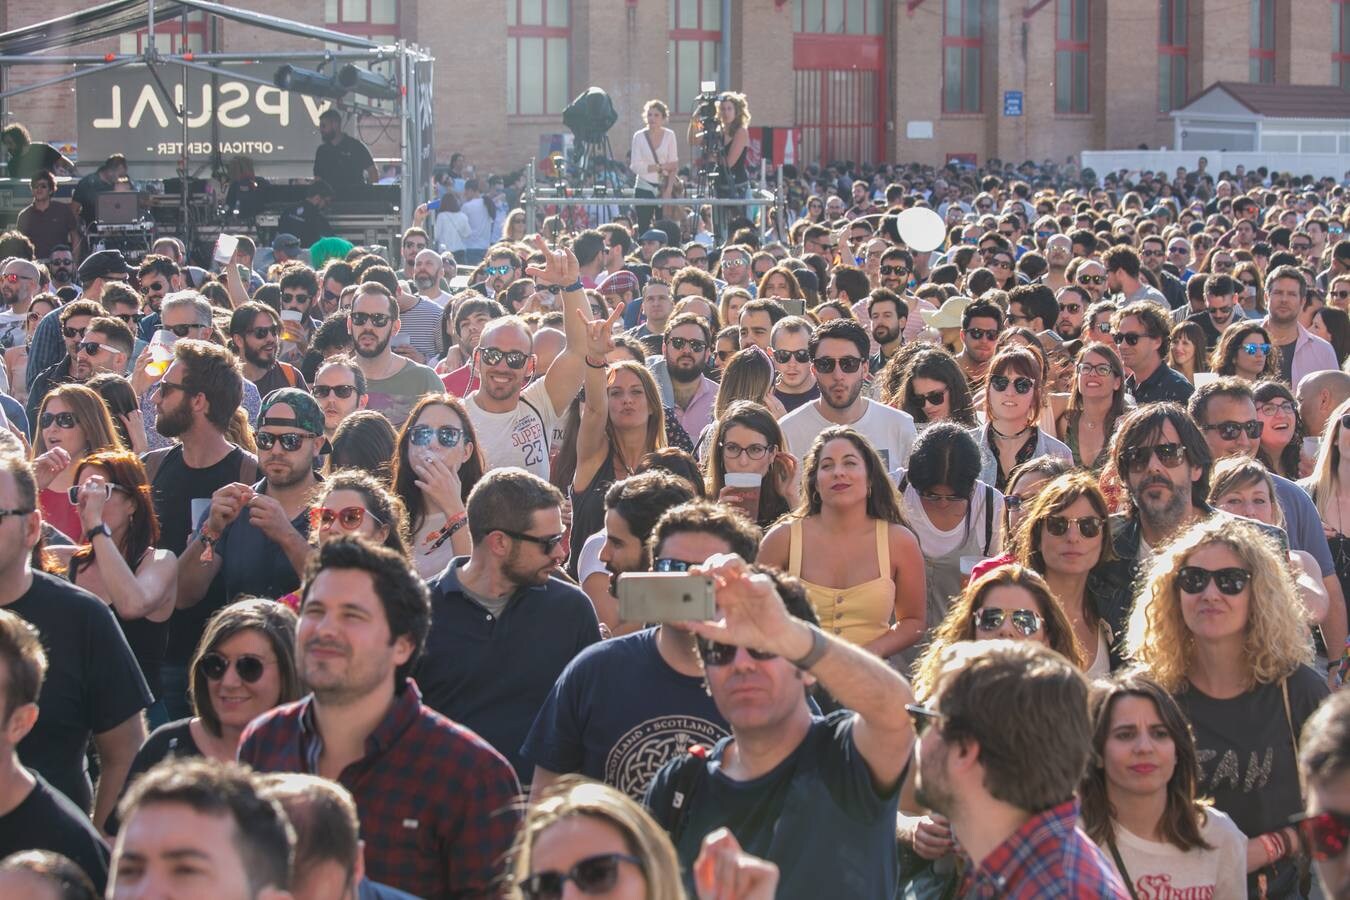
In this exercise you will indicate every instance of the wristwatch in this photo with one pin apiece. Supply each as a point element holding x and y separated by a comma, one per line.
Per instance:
<point>100,528</point>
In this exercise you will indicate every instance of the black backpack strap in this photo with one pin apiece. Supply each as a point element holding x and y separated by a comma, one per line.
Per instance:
<point>687,776</point>
<point>153,460</point>
<point>543,423</point>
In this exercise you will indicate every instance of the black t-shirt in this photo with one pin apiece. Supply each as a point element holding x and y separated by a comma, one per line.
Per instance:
<point>173,739</point>
<point>343,165</point>
<point>792,401</point>
<point>816,815</point>
<point>182,495</point>
<point>1287,361</point>
<point>86,194</point>
<point>1207,326</point>
<point>93,683</point>
<point>46,820</point>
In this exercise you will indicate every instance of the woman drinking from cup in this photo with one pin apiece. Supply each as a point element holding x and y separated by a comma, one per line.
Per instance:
<point>750,467</point>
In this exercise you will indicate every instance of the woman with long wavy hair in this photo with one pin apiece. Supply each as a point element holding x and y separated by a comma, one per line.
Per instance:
<point>850,518</point>
<point>120,564</point>
<point>616,431</point>
<point>930,386</point>
<point>72,423</point>
<point>1141,803</point>
<point>1218,624</point>
<point>437,463</point>
<point>747,440</point>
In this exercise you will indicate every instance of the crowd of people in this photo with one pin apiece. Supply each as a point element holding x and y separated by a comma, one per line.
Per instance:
<point>1029,552</point>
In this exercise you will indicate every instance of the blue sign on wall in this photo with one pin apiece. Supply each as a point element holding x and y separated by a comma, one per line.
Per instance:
<point>1012,103</point>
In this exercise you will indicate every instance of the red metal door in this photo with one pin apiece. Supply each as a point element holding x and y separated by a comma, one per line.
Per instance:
<point>839,97</point>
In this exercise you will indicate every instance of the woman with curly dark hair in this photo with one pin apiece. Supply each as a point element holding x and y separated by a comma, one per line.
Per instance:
<point>1282,428</point>
<point>929,385</point>
<point>1246,351</point>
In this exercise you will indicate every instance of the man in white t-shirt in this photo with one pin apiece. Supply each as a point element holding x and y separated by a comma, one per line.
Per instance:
<point>516,423</point>
<point>839,350</point>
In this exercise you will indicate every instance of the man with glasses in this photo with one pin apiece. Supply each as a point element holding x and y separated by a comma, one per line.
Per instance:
<point>299,298</point>
<point>679,371</point>
<point>258,534</point>
<point>591,723</point>
<point>46,348</point>
<point>815,795</point>
<point>185,314</point>
<point>1301,351</point>
<point>666,263</point>
<point>1222,307</point>
<point>1009,791</point>
<point>61,265</point>
<point>515,423</point>
<point>981,324</point>
<point>1142,334</point>
<point>1123,270</point>
<point>839,351</point>
<point>93,686</point>
<point>255,331</point>
<point>795,379</point>
<point>502,268</point>
<point>340,388</point>
<point>696,255</point>
<point>1225,410</point>
<point>438,806</point>
<point>395,383</point>
<point>1152,254</point>
<point>505,601</point>
<point>820,240</point>
<point>106,347</point>
<point>414,241</point>
<point>74,321</point>
<point>1091,276</point>
<point>1073,303</point>
<point>18,286</point>
<point>156,277</point>
<point>194,404</point>
<point>1179,258</point>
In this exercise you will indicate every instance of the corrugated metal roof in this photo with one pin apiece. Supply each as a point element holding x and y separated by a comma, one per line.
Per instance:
<point>1287,101</point>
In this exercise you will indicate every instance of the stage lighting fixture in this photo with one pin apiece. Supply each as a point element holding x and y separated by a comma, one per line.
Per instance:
<point>366,83</point>
<point>308,81</point>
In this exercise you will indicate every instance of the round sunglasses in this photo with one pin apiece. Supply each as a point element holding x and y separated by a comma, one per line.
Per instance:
<point>215,665</point>
<point>349,518</point>
<point>1021,385</point>
<point>446,435</point>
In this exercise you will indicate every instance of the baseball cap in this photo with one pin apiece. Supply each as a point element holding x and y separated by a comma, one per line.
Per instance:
<point>307,414</point>
<point>284,241</point>
<point>654,234</point>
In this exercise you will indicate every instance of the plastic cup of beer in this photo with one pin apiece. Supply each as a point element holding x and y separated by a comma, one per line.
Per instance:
<point>745,487</point>
<point>161,352</point>
<point>292,327</point>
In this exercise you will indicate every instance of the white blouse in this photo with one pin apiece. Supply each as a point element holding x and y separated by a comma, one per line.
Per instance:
<point>667,151</point>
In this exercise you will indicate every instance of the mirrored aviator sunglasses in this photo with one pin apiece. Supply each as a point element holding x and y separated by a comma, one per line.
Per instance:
<point>446,435</point>
<point>715,654</point>
<point>991,619</point>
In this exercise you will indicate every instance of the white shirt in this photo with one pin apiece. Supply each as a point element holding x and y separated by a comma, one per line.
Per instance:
<point>452,229</point>
<point>1162,870</point>
<point>480,225</point>
<point>937,543</point>
<point>890,431</point>
<point>522,438</point>
<point>667,151</point>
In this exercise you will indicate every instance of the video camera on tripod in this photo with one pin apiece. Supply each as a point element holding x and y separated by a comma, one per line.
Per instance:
<point>705,112</point>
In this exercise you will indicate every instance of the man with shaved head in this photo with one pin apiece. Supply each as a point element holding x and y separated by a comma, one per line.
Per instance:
<point>1319,393</point>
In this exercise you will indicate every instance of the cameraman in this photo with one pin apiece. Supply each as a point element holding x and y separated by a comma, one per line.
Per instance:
<point>732,177</point>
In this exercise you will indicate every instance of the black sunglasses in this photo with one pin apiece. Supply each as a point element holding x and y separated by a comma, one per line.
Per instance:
<point>1088,526</point>
<point>715,654</point>
<point>62,420</point>
<point>825,364</point>
<point>991,618</point>
<point>1021,384</point>
<point>214,666</point>
<point>379,320</point>
<point>263,332</point>
<point>180,330</point>
<point>1193,579</point>
<point>893,270</point>
<point>1092,279</point>
<point>783,357</point>
<point>1136,458</point>
<point>447,435</point>
<point>932,398</point>
<point>290,441</point>
<point>322,391</point>
<point>72,333</point>
<point>981,334</point>
<point>514,358</point>
<point>547,544</point>
<point>922,717</point>
<point>592,875</point>
<point>91,348</point>
<point>1129,337</point>
<point>666,564</point>
<point>1229,431</point>
<point>694,344</point>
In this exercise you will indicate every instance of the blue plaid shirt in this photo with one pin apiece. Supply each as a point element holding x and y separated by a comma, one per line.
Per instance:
<point>1048,858</point>
<point>437,804</point>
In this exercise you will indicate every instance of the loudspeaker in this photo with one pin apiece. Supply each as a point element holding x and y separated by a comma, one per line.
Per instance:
<point>591,115</point>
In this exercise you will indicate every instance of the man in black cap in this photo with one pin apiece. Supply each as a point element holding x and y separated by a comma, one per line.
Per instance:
<point>48,347</point>
<point>307,221</point>
<point>652,239</point>
<point>342,161</point>
<point>259,534</point>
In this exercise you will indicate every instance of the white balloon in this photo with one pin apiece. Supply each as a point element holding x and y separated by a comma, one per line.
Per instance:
<point>921,229</point>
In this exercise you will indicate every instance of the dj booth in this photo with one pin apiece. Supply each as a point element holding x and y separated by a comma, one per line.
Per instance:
<point>133,221</point>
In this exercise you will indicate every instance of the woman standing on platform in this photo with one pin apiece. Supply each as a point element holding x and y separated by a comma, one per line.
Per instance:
<point>656,159</point>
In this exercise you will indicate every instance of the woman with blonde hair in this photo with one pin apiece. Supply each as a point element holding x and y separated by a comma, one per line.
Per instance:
<point>616,430</point>
<point>606,844</point>
<point>513,229</point>
<point>1218,624</point>
<point>72,422</point>
<point>1329,487</point>
<point>730,303</point>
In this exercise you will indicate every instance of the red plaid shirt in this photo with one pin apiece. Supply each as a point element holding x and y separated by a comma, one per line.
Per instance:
<point>1048,858</point>
<point>436,801</point>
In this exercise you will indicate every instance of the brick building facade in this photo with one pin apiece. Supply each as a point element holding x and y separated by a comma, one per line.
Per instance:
<point>863,79</point>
